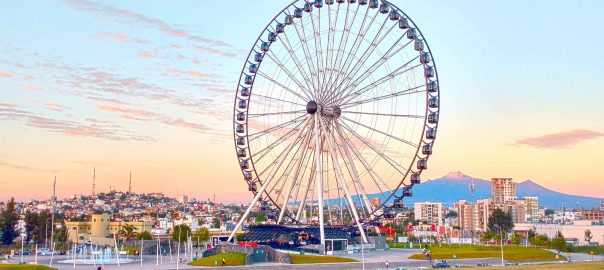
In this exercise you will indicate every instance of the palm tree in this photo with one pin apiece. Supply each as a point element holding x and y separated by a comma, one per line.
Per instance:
<point>128,232</point>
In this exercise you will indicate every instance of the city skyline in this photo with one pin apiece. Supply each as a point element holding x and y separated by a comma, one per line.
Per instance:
<point>123,87</point>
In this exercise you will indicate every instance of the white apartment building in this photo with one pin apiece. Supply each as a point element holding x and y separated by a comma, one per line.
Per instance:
<point>429,212</point>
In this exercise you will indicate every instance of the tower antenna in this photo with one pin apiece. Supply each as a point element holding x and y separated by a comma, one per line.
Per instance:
<point>52,219</point>
<point>130,183</point>
<point>93,180</point>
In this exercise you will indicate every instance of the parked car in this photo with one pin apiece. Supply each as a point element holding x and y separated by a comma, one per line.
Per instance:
<point>46,252</point>
<point>441,265</point>
<point>25,252</point>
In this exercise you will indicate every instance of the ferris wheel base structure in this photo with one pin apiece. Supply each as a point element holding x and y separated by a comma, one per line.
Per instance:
<point>337,101</point>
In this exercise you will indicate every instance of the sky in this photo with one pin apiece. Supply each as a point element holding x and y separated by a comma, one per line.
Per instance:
<point>148,88</point>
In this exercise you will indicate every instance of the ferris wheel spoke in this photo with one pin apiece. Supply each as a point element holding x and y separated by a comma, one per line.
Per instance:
<point>380,81</point>
<point>368,51</point>
<point>340,178</point>
<point>309,62</point>
<point>285,174</point>
<point>259,134</point>
<point>354,49</point>
<point>289,74</point>
<point>253,115</point>
<point>299,66</point>
<point>283,138</point>
<point>296,177</point>
<point>281,85</point>
<point>278,99</point>
<point>381,132</point>
<point>408,91</point>
<point>365,74</point>
<point>386,114</point>
<point>392,163</point>
<point>330,39</point>
<point>349,162</point>
<point>348,145</point>
<point>265,184</point>
<point>318,49</point>
<point>343,40</point>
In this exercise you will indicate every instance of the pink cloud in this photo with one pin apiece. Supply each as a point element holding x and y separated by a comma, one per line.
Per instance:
<point>560,140</point>
<point>96,129</point>
<point>145,55</point>
<point>55,107</point>
<point>145,115</point>
<point>130,17</point>
<point>195,74</point>
<point>5,74</point>
<point>125,38</point>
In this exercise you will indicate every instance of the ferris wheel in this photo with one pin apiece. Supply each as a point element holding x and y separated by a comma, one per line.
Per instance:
<point>336,113</point>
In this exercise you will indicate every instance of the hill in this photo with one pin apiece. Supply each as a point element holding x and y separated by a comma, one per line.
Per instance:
<point>455,186</point>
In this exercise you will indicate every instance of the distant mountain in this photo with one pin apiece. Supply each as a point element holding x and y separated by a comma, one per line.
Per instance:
<point>455,186</point>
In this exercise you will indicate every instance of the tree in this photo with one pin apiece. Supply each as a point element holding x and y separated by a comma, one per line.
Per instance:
<point>452,214</point>
<point>260,217</point>
<point>144,235</point>
<point>516,239</point>
<point>8,221</point>
<point>487,236</point>
<point>588,236</point>
<point>216,222</point>
<point>180,233</point>
<point>549,212</point>
<point>500,220</point>
<point>559,243</point>
<point>128,232</point>
<point>61,233</point>
<point>202,235</point>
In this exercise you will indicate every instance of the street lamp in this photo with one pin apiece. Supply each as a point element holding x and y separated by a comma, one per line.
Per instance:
<point>500,241</point>
<point>23,235</point>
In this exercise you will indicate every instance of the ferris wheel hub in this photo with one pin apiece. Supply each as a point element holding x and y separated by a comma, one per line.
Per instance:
<point>312,107</point>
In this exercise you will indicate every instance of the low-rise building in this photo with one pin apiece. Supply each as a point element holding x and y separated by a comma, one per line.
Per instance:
<point>100,229</point>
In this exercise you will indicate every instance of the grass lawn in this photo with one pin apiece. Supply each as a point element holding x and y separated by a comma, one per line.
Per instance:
<point>232,259</point>
<point>588,249</point>
<point>562,266</point>
<point>24,267</point>
<point>510,253</point>
<point>304,259</point>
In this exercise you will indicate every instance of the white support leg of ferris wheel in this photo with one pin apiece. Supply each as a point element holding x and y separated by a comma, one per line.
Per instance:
<point>268,180</point>
<point>294,180</point>
<point>340,179</point>
<point>319,176</point>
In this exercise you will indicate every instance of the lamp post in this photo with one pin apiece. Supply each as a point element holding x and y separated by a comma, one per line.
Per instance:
<point>23,235</point>
<point>500,242</point>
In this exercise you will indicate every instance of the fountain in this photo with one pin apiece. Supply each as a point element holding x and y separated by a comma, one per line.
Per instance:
<point>87,254</point>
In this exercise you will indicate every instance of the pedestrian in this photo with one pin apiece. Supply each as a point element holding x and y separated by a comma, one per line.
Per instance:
<point>223,262</point>
<point>386,264</point>
<point>99,268</point>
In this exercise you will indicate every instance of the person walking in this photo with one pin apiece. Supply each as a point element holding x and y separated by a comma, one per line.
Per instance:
<point>386,264</point>
<point>223,262</point>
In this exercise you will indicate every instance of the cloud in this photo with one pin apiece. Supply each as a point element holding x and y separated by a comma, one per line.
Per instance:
<point>125,38</point>
<point>145,55</point>
<point>55,107</point>
<point>130,17</point>
<point>560,140</point>
<point>89,128</point>
<point>25,168</point>
<point>5,74</point>
<point>145,115</point>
